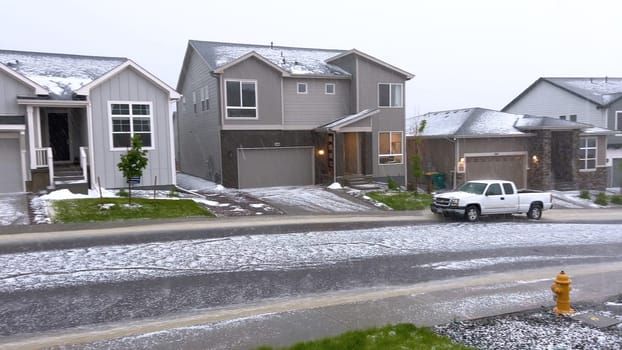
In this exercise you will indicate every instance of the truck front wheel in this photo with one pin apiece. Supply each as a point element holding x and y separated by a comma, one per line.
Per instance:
<point>471,213</point>
<point>535,212</point>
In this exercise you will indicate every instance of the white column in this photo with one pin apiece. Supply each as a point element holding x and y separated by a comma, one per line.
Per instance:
<point>31,137</point>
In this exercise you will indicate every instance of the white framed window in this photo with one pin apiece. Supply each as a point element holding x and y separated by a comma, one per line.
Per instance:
<point>390,147</point>
<point>128,119</point>
<point>301,88</point>
<point>618,121</point>
<point>329,89</point>
<point>390,95</point>
<point>562,117</point>
<point>183,103</point>
<point>572,117</point>
<point>587,153</point>
<point>194,101</point>
<point>204,98</point>
<point>241,99</point>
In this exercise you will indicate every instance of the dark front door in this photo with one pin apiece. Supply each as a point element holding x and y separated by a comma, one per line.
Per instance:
<point>59,135</point>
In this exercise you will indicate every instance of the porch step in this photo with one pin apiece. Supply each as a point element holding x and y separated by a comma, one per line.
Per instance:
<point>74,187</point>
<point>565,186</point>
<point>360,182</point>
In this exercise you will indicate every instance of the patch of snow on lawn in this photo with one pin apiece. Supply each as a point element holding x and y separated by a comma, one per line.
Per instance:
<point>279,252</point>
<point>335,186</point>
<point>310,198</point>
<point>193,183</point>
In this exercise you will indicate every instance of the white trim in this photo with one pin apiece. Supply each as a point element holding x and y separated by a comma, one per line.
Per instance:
<point>355,129</point>
<point>401,154</point>
<point>252,127</point>
<point>298,85</point>
<point>131,116</point>
<point>617,127</point>
<point>91,143</point>
<point>51,103</point>
<point>31,136</point>
<point>39,90</point>
<point>326,85</point>
<point>256,108</point>
<point>583,150</point>
<point>13,127</point>
<point>391,95</point>
<point>171,140</point>
<point>37,117</point>
<point>86,89</point>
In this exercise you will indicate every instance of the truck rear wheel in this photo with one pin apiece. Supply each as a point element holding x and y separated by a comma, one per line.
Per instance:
<point>535,212</point>
<point>471,213</point>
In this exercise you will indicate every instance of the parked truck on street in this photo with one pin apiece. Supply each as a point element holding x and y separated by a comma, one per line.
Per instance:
<point>490,197</point>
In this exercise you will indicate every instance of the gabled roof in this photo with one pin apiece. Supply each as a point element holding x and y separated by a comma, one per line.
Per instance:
<point>293,60</point>
<point>407,75</point>
<point>481,122</point>
<point>60,74</point>
<point>39,90</point>
<point>337,124</point>
<point>600,91</point>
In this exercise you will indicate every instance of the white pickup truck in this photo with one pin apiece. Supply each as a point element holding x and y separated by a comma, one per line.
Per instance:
<point>487,197</point>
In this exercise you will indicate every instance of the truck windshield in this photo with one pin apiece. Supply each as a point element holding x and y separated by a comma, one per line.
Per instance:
<point>473,187</point>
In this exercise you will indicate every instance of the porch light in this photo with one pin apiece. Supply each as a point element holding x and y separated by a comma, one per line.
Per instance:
<point>461,165</point>
<point>320,152</point>
<point>535,160</point>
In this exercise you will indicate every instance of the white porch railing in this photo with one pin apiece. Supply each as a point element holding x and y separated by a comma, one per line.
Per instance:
<point>84,161</point>
<point>45,158</point>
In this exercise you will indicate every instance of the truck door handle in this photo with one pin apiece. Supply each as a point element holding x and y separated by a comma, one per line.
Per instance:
<point>502,198</point>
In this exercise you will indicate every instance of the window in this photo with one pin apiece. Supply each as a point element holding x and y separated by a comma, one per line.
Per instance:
<point>389,95</point>
<point>573,117</point>
<point>301,88</point>
<point>562,117</point>
<point>507,187</point>
<point>241,99</point>
<point>204,99</point>
<point>494,190</point>
<point>618,121</point>
<point>390,147</point>
<point>587,153</point>
<point>329,89</point>
<point>194,101</point>
<point>183,103</point>
<point>129,119</point>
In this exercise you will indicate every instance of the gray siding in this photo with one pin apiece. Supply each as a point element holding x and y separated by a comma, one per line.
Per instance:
<point>315,108</point>
<point>545,99</point>
<point>348,63</point>
<point>9,90</point>
<point>199,133</point>
<point>611,122</point>
<point>389,119</point>
<point>269,101</point>
<point>128,85</point>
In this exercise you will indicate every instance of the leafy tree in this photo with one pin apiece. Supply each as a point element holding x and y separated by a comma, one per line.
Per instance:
<point>133,162</point>
<point>417,167</point>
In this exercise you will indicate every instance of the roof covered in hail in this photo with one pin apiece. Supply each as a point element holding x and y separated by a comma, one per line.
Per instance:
<point>601,91</point>
<point>60,74</point>
<point>481,122</point>
<point>296,61</point>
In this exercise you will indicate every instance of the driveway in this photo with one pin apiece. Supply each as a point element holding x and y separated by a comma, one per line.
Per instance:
<point>14,209</point>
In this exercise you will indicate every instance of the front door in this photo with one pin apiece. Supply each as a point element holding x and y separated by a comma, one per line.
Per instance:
<point>59,136</point>
<point>352,153</point>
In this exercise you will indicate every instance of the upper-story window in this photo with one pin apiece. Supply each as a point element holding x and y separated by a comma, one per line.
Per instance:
<point>129,119</point>
<point>618,121</point>
<point>390,95</point>
<point>587,153</point>
<point>572,117</point>
<point>204,98</point>
<point>329,89</point>
<point>301,88</point>
<point>390,149</point>
<point>241,99</point>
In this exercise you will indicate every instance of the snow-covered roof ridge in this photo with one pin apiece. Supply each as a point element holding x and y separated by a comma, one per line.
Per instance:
<point>61,74</point>
<point>601,91</point>
<point>295,60</point>
<point>349,119</point>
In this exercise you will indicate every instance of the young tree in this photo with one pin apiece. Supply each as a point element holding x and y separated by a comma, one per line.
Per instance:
<point>417,167</point>
<point>133,162</point>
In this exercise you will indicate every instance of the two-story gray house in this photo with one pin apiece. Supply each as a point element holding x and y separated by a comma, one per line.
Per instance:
<point>256,116</point>
<point>65,120</point>
<point>595,101</point>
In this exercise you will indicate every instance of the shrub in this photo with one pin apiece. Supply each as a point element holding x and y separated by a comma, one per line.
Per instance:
<point>601,199</point>
<point>585,195</point>
<point>393,186</point>
<point>616,199</point>
<point>122,193</point>
<point>173,192</point>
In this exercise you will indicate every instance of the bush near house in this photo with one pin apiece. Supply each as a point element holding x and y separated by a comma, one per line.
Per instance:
<point>616,199</point>
<point>585,194</point>
<point>108,209</point>
<point>601,199</point>
<point>400,336</point>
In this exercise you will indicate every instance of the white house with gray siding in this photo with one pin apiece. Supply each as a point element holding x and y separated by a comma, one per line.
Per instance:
<point>594,101</point>
<point>65,120</point>
<point>256,116</point>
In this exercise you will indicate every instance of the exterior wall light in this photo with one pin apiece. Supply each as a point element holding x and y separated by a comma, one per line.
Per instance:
<point>320,152</point>
<point>535,160</point>
<point>461,165</point>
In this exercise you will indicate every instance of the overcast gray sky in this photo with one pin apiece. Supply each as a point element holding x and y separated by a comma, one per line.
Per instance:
<point>469,53</point>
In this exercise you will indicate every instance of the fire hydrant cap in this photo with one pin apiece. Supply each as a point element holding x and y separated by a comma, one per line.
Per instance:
<point>562,278</point>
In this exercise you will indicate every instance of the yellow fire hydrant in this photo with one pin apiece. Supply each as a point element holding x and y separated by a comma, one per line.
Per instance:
<point>561,289</point>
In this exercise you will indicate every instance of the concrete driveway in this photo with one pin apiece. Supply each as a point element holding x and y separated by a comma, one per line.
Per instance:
<point>14,209</point>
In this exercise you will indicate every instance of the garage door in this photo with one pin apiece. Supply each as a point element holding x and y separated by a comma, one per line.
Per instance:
<point>10,166</point>
<point>511,167</point>
<point>263,167</point>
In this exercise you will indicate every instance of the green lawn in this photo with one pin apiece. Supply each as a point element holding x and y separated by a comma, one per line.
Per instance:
<point>394,337</point>
<point>403,200</point>
<point>91,209</point>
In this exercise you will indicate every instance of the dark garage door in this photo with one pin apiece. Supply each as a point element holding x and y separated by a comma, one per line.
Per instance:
<point>10,166</point>
<point>264,167</point>
<point>511,167</point>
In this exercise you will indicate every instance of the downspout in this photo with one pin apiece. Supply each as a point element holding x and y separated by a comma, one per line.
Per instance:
<point>89,123</point>
<point>172,141</point>
<point>334,157</point>
<point>456,160</point>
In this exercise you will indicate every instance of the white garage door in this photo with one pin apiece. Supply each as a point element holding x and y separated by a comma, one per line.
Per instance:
<point>505,167</point>
<point>10,166</point>
<point>264,167</point>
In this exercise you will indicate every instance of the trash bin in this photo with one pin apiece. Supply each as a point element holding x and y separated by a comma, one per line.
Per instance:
<point>438,179</point>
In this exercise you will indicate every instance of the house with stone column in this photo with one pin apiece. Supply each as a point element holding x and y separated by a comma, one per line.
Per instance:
<point>535,152</point>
